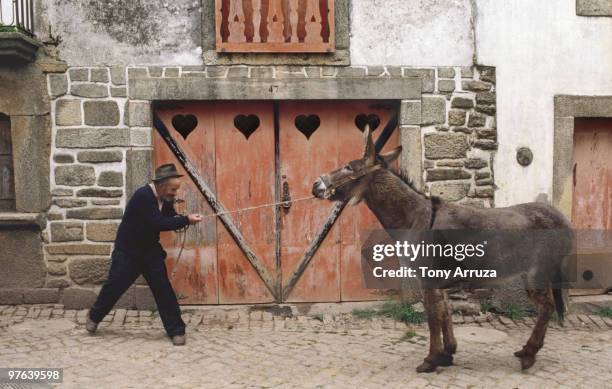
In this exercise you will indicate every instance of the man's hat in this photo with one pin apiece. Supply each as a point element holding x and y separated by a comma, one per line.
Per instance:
<point>166,171</point>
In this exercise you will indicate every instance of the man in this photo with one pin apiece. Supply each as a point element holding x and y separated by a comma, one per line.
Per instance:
<point>138,251</point>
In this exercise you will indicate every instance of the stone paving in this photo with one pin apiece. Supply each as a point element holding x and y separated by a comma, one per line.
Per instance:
<point>228,348</point>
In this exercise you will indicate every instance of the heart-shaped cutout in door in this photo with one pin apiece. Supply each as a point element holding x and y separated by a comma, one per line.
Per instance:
<point>307,125</point>
<point>184,124</point>
<point>246,124</point>
<point>362,119</point>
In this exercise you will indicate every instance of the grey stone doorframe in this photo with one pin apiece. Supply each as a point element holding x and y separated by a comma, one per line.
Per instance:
<point>567,109</point>
<point>407,90</point>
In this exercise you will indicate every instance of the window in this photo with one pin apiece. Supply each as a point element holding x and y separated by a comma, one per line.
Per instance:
<point>7,181</point>
<point>275,26</point>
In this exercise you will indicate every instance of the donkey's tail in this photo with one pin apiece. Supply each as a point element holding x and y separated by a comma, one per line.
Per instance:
<point>560,295</point>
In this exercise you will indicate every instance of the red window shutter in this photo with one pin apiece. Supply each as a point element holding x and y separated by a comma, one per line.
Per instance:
<point>275,26</point>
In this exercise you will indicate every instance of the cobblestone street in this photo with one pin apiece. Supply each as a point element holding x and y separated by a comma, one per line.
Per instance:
<point>237,348</point>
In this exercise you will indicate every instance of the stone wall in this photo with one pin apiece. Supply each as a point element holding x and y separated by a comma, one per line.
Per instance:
<point>99,133</point>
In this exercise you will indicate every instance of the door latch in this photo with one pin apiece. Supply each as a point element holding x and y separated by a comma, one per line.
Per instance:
<point>286,197</point>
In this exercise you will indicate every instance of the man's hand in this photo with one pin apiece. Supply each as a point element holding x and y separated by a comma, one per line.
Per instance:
<point>194,218</point>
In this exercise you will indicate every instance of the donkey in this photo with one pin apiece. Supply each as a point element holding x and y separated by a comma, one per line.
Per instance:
<point>398,206</point>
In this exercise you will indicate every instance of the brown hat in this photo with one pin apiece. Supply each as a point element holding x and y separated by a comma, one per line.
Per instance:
<point>166,171</point>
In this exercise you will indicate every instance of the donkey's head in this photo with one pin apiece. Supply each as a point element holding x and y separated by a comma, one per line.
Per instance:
<point>350,181</point>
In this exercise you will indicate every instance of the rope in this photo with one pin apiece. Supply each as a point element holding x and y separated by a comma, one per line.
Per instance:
<point>184,230</point>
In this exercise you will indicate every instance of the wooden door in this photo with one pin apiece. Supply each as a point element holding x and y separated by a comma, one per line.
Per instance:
<point>334,271</point>
<point>251,153</point>
<point>592,193</point>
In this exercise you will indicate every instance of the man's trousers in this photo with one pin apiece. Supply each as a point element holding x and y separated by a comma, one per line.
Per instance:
<point>123,272</point>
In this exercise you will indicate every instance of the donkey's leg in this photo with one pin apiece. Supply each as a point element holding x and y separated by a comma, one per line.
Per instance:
<point>434,307</point>
<point>450,343</point>
<point>545,304</point>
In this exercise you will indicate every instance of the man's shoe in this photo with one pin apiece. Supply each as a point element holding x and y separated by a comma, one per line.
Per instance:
<point>178,340</point>
<point>91,326</point>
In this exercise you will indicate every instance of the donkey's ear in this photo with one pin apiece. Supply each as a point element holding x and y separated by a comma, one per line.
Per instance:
<point>391,155</point>
<point>369,153</point>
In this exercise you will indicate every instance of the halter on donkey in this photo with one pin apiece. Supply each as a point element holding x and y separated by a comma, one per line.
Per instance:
<point>398,206</point>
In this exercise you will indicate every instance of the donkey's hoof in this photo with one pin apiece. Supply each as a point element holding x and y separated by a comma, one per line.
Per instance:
<point>527,361</point>
<point>443,360</point>
<point>426,367</point>
<point>520,353</point>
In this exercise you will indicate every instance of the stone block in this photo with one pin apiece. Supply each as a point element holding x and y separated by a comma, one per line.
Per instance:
<point>140,137</point>
<point>446,72</point>
<point>484,192</point>
<point>66,231</point>
<point>68,112</point>
<point>171,72</point>
<point>444,174</point>
<point>486,109</point>
<point>105,202</point>
<point>476,85</point>
<point>56,269</point>
<point>40,295</point>
<point>89,270</point>
<point>54,216</point>
<point>427,75</point>
<point>100,156</point>
<point>63,158</point>
<point>487,133</point>
<point>139,169</point>
<point>57,283</point>
<point>139,114</point>
<point>92,137</point>
<point>446,86</point>
<point>433,110</point>
<point>156,71</point>
<point>75,175</point>
<point>467,72</point>
<point>410,113</point>
<point>10,296</point>
<point>262,72</point>
<point>110,178</point>
<point>456,118</point>
<point>117,74</point>
<point>99,75</point>
<point>238,72</point>
<point>77,298</point>
<point>487,73</point>
<point>477,120</point>
<point>94,213</point>
<point>22,259</point>
<point>69,203</point>
<point>99,192</point>
<point>118,91</point>
<point>485,98</point>
<point>89,90</point>
<point>79,249</point>
<point>102,232</point>
<point>485,144</point>
<point>447,145</point>
<point>450,191</point>
<point>58,85</point>
<point>62,192</point>
<point>78,74</point>
<point>143,298</point>
<point>101,113</point>
<point>462,102</point>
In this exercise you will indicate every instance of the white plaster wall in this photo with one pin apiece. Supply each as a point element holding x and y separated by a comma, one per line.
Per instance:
<point>114,32</point>
<point>412,32</point>
<point>540,49</point>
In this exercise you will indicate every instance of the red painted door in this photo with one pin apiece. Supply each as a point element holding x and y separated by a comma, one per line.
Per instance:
<point>592,196</point>
<point>248,162</point>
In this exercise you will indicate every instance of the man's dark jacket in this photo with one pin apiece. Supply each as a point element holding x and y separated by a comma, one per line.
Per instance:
<point>138,233</point>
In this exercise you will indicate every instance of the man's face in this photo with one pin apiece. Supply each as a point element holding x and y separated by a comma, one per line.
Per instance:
<point>168,190</point>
